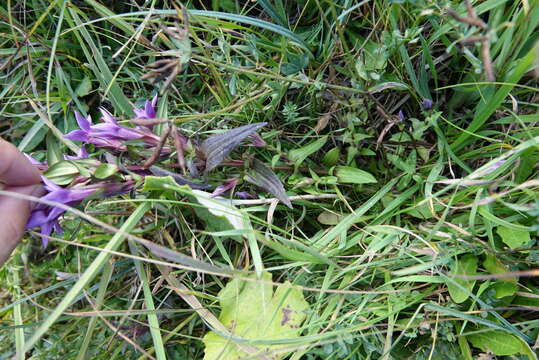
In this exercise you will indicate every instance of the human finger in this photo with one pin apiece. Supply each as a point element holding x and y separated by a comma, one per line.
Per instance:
<point>15,169</point>
<point>15,214</point>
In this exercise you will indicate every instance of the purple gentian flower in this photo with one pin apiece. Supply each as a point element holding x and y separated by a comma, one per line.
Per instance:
<point>229,184</point>
<point>82,154</point>
<point>106,134</point>
<point>427,104</point>
<point>257,141</point>
<point>244,195</point>
<point>401,115</point>
<point>149,110</point>
<point>46,216</point>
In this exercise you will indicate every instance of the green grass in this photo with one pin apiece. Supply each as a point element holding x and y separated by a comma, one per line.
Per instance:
<point>382,265</point>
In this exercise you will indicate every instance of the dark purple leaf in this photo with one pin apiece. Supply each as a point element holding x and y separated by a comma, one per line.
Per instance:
<point>263,176</point>
<point>217,147</point>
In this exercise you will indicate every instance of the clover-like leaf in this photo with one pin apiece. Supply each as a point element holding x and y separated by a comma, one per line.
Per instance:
<point>263,176</point>
<point>218,146</point>
<point>252,311</point>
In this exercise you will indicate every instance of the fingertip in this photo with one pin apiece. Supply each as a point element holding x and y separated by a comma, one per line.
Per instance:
<point>15,169</point>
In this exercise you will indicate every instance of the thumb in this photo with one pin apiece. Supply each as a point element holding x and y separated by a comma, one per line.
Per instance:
<point>15,213</point>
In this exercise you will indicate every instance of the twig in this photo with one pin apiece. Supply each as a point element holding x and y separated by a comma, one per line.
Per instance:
<point>157,150</point>
<point>292,198</point>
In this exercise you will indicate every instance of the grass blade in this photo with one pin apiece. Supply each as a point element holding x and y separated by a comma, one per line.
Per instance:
<point>89,274</point>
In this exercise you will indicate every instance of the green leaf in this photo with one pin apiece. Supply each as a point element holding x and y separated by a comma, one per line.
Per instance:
<point>351,175</point>
<point>158,183</point>
<point>467,265</point>
<point>512,237</point>
<point>332,157</point>
<point>252,311</point>
<point>62,172</point>
<point>504,286</point>
<point>496,341</point>
<point>219,214</point>
<point>299,155</point>
<point>84,87</point>
<point>54,154</point>
<point>329,218</point>
<point>103,171</point>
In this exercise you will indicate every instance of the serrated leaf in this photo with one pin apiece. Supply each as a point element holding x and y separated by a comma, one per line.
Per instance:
<point>217,147</point>
<point>467,265</point>
<point>351,175</point>
<point>263,176</point>
<point>62,172</point>
<point>299,155</point>
<point>252,311</point>
<point>103,171</point>
<point>496,341</point>
<point>512,237</point>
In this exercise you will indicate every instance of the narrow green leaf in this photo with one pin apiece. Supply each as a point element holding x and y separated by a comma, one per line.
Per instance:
<point>299,155</point>
<point>351,175</point>
<point>88,274</point>
<point>486,108</point>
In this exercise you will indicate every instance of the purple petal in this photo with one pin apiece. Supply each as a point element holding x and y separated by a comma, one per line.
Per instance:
<point>37,218</point>
<point>427,104</point>
<point>82,154</point>
<point>401,115</point>
<point>139,113</point>
<point>256,140</point>
<point>50,186</point>
<point>46,229</point>
<point>84,122</point>
<point>244,195</point>
<point>77,135</point>
<point>107,116</point>
<point>150,111</point>
<point>228,185</point>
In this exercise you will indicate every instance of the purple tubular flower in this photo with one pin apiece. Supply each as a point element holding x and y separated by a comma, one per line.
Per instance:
<point>256,140</point>
<point>46,216</point>
<point>148,112</point>
<point>82,154</point>
<point>108,133</point>
<point>229,184</point>
<point>401,115</point>
<point>427,104</point>
<point>244,195</point>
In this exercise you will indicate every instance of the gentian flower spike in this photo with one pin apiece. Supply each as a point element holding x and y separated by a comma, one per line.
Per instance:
<point>46,216</point>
